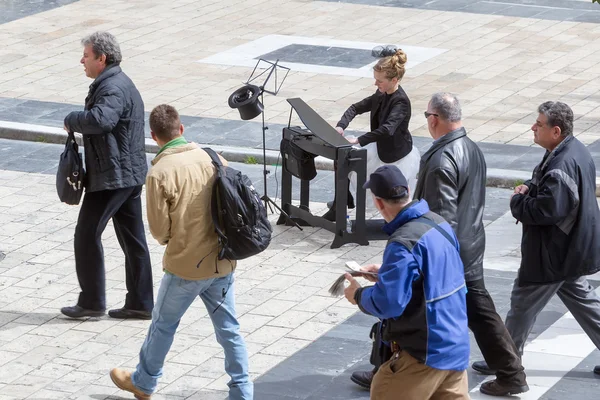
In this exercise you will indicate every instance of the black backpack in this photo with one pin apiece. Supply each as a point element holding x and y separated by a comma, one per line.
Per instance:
<point>70,173</point>
<point>239,215</point>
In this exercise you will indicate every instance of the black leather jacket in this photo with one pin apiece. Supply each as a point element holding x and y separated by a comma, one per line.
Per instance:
<point>113,132</point>
<point>452,180</point>
<point>389,123</point>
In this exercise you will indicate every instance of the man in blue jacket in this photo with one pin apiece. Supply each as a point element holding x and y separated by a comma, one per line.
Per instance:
<point>420,296</point>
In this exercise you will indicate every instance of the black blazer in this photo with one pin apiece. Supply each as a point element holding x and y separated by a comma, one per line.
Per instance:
<point>389,124</point>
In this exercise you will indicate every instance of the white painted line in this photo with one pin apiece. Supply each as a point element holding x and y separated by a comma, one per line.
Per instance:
<point>31,127</point>
<point>246,55</point>
<point>549,357</point>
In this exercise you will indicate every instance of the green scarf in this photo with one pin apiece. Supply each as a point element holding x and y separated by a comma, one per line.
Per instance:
<point>180,141</point>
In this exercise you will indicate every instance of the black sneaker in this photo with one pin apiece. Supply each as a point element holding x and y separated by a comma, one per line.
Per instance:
<point>80,312</point>
<point>483,368</point>
<point>495,388</point>
<point>363,378</point>
<point>597,369</point>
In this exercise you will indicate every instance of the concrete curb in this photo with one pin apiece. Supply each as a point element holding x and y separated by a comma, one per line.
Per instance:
<point>502,178</point>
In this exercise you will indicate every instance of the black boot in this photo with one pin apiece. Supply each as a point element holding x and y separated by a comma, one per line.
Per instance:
<point>483,368</point>
<point>363,378</point>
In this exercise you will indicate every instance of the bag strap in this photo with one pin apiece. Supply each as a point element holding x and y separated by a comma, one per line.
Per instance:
<point>428,221</point>
<point>71,139</point>
<point>214,157</point>
<point>216,200</point>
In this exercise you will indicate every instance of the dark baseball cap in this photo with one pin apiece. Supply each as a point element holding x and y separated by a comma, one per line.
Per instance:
<point>383,181</point>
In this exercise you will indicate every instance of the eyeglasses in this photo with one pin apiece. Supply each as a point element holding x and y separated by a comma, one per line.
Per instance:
<point>428,114</point>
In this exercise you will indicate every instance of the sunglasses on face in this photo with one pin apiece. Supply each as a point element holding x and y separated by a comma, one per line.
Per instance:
<point>428,114</point>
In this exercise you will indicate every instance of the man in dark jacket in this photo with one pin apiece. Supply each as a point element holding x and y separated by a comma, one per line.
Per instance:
<point>452,179</point>
<point>420,296</point>
<point>112,125</point>
<point>561,229</point>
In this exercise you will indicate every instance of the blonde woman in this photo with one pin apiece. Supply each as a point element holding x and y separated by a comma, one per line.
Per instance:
<point>389,141</point>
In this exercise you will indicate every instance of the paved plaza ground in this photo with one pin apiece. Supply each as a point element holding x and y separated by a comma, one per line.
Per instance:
<point>503,58</point>
<point>303,343</point>
<point>194,54</point>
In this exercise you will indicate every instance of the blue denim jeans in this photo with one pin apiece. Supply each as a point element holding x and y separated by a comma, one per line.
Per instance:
<point>174,298</point>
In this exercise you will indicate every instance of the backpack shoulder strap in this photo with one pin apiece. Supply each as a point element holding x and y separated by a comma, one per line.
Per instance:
<point>213,156</point>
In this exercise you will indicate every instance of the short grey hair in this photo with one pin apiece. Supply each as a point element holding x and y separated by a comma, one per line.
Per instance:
<point>558,114</point>
<point>446,106</point>
<point>104,43</point>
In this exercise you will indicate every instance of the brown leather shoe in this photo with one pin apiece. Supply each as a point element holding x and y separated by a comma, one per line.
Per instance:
<point>122,379</point>
<point>495,388</point>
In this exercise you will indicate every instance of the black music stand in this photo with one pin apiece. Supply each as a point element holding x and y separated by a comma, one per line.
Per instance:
<point>246,100</point>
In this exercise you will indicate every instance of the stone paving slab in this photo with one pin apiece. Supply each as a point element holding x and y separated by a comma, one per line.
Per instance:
<point>17,156</point>
<point>281,295</point>
<point>41,122</point>
<point>493,62</point>
<point>47,356</point>
<point>328,362</point>
<point>297,334</point>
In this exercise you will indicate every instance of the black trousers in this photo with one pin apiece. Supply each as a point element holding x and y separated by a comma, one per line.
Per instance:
<point>124,206</point>
<point>493,339</point>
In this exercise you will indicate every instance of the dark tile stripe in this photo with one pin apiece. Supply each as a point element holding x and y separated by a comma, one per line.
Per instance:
<point>16,9</point>
<point>249,133</point>
<point>557,10</point>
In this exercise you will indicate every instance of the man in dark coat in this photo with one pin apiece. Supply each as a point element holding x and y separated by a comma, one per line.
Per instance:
<point>112,125</point>
<point>561,230</point>
<point>452,179</point>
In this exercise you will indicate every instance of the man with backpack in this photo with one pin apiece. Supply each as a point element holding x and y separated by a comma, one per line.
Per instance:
<point>179,189</point>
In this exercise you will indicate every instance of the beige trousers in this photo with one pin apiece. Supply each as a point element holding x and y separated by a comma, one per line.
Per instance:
<point>403,377</point>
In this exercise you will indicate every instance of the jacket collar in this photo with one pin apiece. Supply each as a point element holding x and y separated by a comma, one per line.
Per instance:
<point>174,150</point>
<point>549,156</point>
<point>412,210</point>
<point>109,71</point>
<point>444,140</point>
